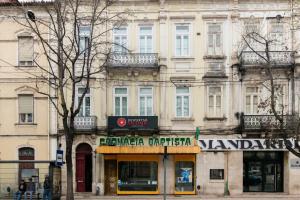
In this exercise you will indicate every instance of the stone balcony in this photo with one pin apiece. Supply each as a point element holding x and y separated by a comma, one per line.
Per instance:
<point>85,123</point>
<point>133,60</point>
<point>277,58</point>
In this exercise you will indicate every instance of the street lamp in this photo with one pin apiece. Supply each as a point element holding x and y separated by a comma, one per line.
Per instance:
<point>31,15</point>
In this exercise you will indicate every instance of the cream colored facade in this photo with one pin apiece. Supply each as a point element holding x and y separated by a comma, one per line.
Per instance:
<point>191,63</point>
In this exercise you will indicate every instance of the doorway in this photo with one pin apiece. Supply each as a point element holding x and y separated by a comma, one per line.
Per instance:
<point>84,168</point>
<point>263,172</point>
<point>110,171</point>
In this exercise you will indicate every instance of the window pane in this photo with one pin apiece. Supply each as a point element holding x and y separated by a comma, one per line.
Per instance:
<point>178,45</point>
<point>182,29</point>
<point>149,106</point>
<point>182,90</point>
<point>146,30</point>
<point>142,44</point>
<point>137,175</point>
<point>149,44</point>
<point>124,106</point>
<point>87,107</point>
<point>186,106</point>
<point>147,91</point>
<point>142,106</point>
<point>255,104</point>
<point>184,176</point>
<point>117,106</point>
<point>25,48</point>
<point>120,90</point>
<point>120,30</point>
<point>185,45</point>
<point>178,106</point>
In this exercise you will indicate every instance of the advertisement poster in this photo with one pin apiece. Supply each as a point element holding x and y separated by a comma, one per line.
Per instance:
<point>186,175</point>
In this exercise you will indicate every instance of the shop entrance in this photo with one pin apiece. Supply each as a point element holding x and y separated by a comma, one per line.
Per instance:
<point>84,168</point>
<point>263,172</point>
<point>110,171</point>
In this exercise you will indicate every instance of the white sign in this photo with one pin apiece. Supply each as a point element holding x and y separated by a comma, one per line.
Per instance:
<point>295,163</point>
<point>245,144</point>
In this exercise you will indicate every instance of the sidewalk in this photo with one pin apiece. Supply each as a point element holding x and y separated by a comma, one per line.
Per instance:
<point>254,196</point>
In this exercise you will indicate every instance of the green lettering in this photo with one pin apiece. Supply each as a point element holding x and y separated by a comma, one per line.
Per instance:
<point>132,141</point>
<point>182,141</point>
<point>156,141</point>
<point>102,141</point>
<point>176,141</point>
<point>188,142</point>
<point>126,141</point>
<point>150,141</point>
<point>141,141</point>
<point>168,141</point>
<point>162,141</point>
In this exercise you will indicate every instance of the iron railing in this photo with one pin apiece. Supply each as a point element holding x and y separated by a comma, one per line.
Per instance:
<point>133,60</point>
<point>85,123</point>
<point>263,122</point>
<point>277,58</point>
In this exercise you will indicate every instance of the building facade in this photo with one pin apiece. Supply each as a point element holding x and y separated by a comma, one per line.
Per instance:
<point>182,69</point>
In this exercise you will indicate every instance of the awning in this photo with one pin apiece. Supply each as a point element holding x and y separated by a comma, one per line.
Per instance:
<point>147,150</point>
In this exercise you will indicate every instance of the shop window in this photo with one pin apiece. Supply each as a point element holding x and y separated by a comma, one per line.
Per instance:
<point>184,176</point>
<point>137,176</point>
<point>216,174</point>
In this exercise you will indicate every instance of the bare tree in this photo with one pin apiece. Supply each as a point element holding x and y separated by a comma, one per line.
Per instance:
<point>74,39</point>
<point>270,52</point>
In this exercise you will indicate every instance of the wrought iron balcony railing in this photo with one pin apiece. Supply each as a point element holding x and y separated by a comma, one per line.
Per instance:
<point>277,58</point>
<point>144,60</point>
<point>263,122</point>
<point>85,123</point>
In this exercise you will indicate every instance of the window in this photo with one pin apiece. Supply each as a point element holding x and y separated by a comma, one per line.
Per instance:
<point>215,67</point>
<point>184,176</point>
<point>216,174</point>
<point>182,40</point>
<point>85,109</point>
<point>215,102</point>
<point>120,39</point>
<point>146,39</point>
<point>121,97</point>
<point>146,101</point>
<point>25,108</point>
<point>137,176</point>
<point>84,39</point>
<point>182,101</point>
<point>214,39</point>
<point>279,97</point>
<point>251,100</point>
<point>277,36</point>
<point>25,52</point>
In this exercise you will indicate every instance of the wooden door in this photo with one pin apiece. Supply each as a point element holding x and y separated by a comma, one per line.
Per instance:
<point>110,171</point>
<point>80,172</point>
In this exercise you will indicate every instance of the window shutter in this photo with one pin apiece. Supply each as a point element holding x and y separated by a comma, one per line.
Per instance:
<point>25,49</point>
<point>25,103</point>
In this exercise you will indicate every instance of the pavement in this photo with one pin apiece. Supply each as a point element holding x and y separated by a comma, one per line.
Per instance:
<point>245,196</point>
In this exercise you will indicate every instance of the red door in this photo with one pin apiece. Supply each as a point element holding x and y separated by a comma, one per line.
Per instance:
<point>84,168</point>
<point>80,172</point>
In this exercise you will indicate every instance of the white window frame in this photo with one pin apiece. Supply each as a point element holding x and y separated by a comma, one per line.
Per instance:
<point>86,38</point>
<point>252,95</point>
<point>146,36</point>
<point>120,95</point>
<point>27,63</point>
<point>182,102</point>
<point>120,35</point>
<point>214,114</point>
<point>182,35</point>
<point>214,39</point>
<point>147,95</point>
<point>83,102</point>
<point>274,35</point>
<point>26,114</point>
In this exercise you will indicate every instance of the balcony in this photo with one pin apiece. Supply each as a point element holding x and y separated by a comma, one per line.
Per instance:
<point>263,122</point>
<point>278,58</point>
<point>85,123</point>
<point>134,60</point>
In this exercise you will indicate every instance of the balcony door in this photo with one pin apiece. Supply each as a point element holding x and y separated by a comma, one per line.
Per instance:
<point>84,168</point>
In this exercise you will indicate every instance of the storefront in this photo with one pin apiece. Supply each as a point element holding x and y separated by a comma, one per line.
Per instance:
<point>237,166</point>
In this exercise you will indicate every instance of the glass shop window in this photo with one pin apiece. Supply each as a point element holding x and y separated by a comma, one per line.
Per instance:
<point>137,175</point>
<point>184,176</point>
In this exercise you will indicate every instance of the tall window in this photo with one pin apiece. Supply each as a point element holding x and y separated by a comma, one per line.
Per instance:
<point>120,39</point>
<point>182,102</point>
<point>146,39</point>
<point>84,39</point>
<point>25,51</point>
<point>146,101</point>
<point>277,36</point>
<point>85,109</point>
<point>121,101</point>
<point>251,100</point>
<point>215,102</point>
<point>25,108</point>
<point>214,39</point>
<point>27,170</point>
<point>182,40</point>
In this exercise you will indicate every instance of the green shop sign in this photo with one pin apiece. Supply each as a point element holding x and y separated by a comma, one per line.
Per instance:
<point>145,141</point>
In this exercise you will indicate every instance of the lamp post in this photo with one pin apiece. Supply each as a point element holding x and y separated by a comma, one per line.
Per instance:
<point>165,172</point>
